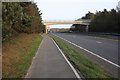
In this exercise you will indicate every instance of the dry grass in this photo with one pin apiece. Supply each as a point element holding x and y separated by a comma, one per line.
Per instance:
<point>12,52</point>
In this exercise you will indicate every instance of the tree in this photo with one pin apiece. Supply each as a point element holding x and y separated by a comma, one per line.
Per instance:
<point>20,17</point>
<point>101,21</point>
<point>89,15</point>
<point>105,21</point>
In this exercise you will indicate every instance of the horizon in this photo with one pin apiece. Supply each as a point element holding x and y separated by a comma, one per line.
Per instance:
<point>71,9</point>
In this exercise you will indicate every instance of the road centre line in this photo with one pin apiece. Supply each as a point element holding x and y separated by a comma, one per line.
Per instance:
<point>98,42</point>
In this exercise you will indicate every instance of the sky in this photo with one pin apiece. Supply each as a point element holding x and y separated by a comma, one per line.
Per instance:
<point>71,9</point>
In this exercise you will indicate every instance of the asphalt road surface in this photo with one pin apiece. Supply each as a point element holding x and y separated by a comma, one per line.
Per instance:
<point>106,48</point>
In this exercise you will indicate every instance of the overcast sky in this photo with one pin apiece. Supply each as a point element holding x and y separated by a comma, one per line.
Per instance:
<point>72,9</point>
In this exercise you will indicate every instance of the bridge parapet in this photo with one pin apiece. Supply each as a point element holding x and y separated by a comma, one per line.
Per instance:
<point>82,21</point>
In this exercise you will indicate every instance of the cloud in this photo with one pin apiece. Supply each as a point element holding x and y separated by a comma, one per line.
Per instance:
<point>118,4</point>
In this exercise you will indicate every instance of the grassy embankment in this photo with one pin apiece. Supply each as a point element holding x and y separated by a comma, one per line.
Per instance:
<point>18,53</point>
<point>87,68</point>
<point>109,37</point>
<point>103,35</point>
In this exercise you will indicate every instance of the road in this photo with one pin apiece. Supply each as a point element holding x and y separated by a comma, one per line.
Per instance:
<point>106,48</point>
<point>49,62</point>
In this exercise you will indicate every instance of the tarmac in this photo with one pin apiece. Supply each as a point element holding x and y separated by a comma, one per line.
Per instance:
<point>49,62</point>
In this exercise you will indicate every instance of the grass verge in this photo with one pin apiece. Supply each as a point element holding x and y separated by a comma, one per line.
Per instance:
<point>87,68</point>
<point>109,37</point>
<point>102,36</point>
<point>18,54</point>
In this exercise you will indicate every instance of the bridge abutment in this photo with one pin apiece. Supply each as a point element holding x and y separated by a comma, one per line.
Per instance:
<point>46,30</point>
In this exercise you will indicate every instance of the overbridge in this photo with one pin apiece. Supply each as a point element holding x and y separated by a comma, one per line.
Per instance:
<point>54,22</point>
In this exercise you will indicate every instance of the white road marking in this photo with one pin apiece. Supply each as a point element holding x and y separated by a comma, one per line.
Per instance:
<point>73,69</point>
<point>98,42</point>
<point>91,52</point>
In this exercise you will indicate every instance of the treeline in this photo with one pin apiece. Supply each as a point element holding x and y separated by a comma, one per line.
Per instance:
<point>103,21</point>
<point>20,17</point>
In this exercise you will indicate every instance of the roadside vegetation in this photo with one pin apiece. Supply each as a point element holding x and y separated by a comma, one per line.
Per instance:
<point>109,37</point>
<point>102,35</point>
<point>20,17</point>
<point>18,53</point>
<point>21,28</point>
<point>87,68</point>
<point>105,21</point>
<point>102,21</point>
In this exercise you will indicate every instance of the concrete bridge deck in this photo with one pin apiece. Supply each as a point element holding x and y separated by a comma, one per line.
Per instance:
<point>52,22</point>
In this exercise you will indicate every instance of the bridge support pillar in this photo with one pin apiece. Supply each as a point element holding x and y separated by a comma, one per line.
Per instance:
<point>46,30</point>
<point>87,28</point>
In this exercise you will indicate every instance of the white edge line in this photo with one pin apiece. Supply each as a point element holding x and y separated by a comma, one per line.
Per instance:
<point>75,72</point>
<point>91,52</point>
